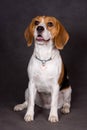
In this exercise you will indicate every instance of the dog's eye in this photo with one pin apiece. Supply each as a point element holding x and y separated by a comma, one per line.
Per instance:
<point>36,22</point>
<point>50,24</point>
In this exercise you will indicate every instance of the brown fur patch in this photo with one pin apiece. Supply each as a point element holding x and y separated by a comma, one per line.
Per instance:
<point>54,29</point>
<point>61,75</point>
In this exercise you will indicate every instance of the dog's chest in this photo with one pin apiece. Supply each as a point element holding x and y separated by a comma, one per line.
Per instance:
<point>44,76</point>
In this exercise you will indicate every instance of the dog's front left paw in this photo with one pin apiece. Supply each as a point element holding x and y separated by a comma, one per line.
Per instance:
<point>28,117</point>
<point>53,119</point>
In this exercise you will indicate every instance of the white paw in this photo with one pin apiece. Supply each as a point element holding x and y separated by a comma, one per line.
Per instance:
<point>28,117</point>
<point>65,110</point>
<point>53,119</point>
<point>18,107</point>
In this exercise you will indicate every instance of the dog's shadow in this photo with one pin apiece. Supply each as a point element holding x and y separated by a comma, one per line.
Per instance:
<point>43,113</point>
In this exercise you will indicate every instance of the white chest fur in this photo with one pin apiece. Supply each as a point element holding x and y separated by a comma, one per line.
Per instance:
<point>45,76</point>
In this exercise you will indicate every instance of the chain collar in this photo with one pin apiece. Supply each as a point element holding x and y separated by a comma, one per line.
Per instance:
<point>43,61</point>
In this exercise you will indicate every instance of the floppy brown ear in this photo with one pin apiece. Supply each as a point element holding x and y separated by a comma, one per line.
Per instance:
<point>62,36</point>
<point>29,34</point>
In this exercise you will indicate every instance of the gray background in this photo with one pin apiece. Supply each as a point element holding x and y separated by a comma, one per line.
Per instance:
<point>15,15</point>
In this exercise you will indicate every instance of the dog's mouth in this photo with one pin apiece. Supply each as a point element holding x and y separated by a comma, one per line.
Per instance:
<point>41,39</point>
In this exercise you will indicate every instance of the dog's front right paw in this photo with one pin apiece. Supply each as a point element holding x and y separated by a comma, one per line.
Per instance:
<point>28,117</point>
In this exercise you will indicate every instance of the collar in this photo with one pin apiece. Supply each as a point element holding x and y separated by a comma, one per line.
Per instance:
<point>43,61</point>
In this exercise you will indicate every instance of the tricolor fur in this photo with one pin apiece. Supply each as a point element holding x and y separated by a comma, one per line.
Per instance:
<point>48,85</point>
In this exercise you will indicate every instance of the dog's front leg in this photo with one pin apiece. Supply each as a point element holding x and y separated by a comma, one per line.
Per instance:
<point>29,116</point>
<point>53,116</point>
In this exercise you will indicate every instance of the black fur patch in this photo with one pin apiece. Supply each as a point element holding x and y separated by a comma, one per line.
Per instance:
<point>65,82</point>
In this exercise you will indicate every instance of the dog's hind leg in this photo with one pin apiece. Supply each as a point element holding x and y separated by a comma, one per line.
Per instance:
<point>20,107</point>
<point>67,100</point>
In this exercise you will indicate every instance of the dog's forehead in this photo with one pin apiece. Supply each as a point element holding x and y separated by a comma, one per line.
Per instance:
<point>39,18</point>
<point>45,19</point>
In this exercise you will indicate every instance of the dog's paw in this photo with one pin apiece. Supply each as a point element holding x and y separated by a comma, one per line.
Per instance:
<point>53,119</point>
<point>65,110</point>
<point>18,107</point>
<point>28,118</point>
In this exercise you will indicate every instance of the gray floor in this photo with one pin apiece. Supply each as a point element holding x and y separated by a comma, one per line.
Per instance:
<point>76,120</point>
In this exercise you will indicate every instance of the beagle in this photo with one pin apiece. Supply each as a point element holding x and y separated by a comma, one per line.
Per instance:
<point>48,85</point>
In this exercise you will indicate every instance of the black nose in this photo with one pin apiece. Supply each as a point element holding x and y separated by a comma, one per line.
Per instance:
<point>40,29</point>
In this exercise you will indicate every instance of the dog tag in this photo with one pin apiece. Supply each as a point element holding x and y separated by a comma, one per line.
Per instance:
<point>43,62</point>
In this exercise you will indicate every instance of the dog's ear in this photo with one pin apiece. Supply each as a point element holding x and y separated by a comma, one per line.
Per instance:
<point>62,37</point>
<point>29,34</point>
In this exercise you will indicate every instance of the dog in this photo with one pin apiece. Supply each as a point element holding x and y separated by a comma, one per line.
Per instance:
<point>49,85</point>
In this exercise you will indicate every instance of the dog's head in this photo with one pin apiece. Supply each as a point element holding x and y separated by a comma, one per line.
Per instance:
<point>43,29</point>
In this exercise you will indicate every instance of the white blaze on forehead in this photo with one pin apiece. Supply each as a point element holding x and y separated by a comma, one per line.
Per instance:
<point>42,20</point>
<point>42,23</point>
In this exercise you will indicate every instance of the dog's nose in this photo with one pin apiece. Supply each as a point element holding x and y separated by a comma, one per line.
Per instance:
<point>40,29</point>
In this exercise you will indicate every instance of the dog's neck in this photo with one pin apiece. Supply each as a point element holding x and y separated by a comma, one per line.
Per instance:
<point>44,51</point>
